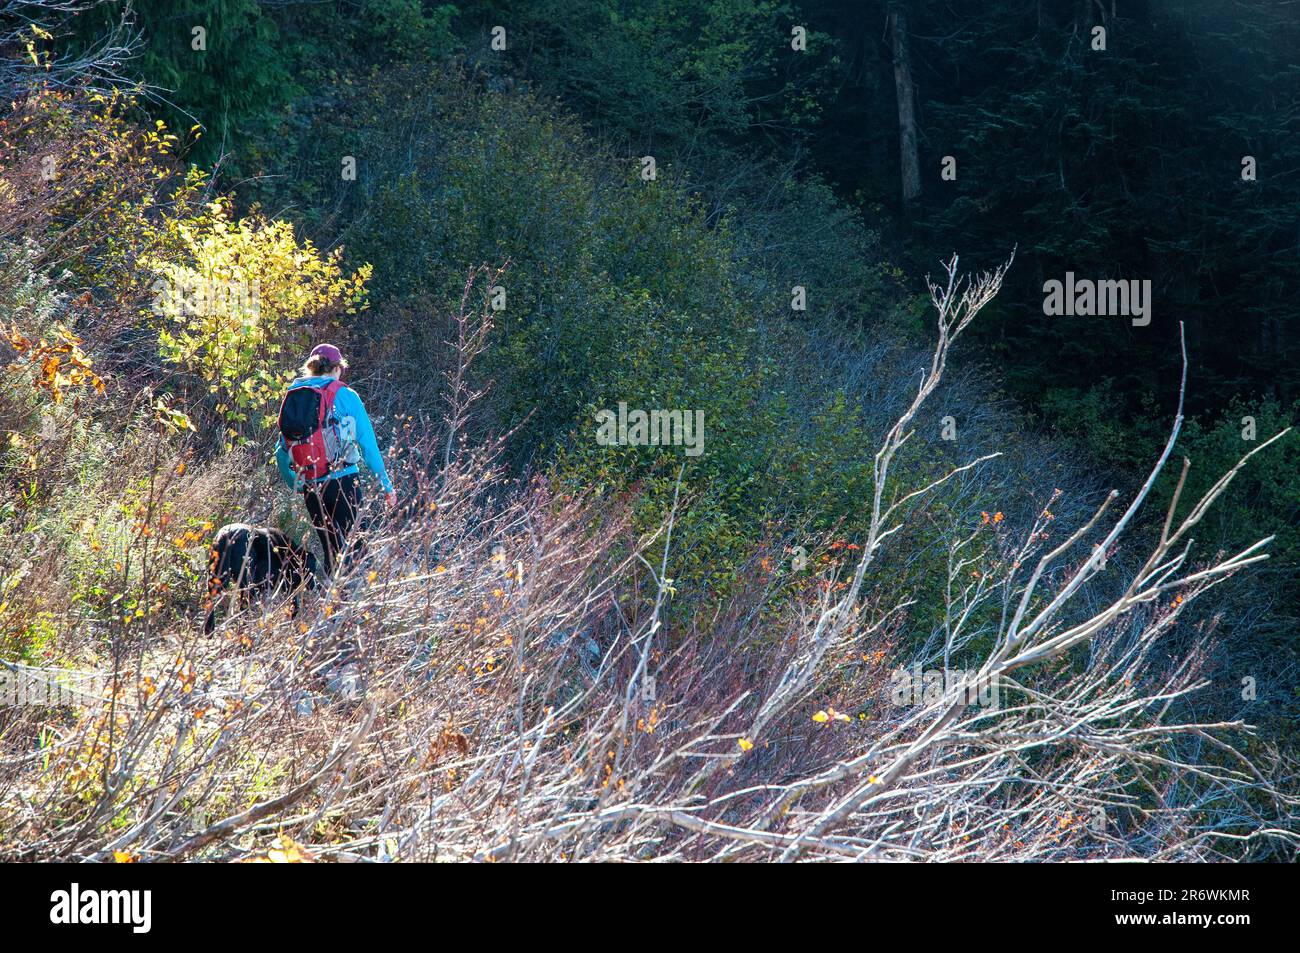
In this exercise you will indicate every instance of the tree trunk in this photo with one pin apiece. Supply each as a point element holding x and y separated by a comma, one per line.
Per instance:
<point>909,162</point>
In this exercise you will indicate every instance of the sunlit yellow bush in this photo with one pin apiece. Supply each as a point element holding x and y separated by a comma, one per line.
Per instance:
<point>244,292</point>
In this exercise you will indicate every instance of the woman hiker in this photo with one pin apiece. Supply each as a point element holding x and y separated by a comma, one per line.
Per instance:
<point>324,433</point>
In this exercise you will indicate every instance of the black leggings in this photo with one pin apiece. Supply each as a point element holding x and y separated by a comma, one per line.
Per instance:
<point>333,506</point>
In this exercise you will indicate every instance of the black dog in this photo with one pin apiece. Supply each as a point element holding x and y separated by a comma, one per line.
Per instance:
<point>252,560</point>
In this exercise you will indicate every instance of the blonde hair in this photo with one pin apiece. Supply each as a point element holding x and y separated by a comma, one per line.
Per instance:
<point>319,366</point>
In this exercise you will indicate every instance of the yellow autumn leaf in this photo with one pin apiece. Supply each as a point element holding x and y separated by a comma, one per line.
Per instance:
<point>745,744</point>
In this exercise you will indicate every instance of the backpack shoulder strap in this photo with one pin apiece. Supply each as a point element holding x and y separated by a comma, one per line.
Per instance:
<point>329,392</point>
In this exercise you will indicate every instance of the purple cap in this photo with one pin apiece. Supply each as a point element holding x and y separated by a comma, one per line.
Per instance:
<point>329,352</point>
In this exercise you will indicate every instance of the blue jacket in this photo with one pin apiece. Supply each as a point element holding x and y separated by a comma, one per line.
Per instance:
<point>346,404</point>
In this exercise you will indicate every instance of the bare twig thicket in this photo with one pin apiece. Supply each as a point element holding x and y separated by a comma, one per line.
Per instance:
<point>30,24</point>
<point>516,700</point>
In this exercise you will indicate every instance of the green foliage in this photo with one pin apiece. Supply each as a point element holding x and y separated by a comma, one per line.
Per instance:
<point>1263,498</point>
<point>402,29</point>
<point>658,74</point>
<point>230,87</point>
<point>615,291</point>
<point>1097,422</point>
<point>31,645</point>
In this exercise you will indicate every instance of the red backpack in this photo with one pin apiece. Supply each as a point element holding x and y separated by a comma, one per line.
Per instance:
<point>310,429</point>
